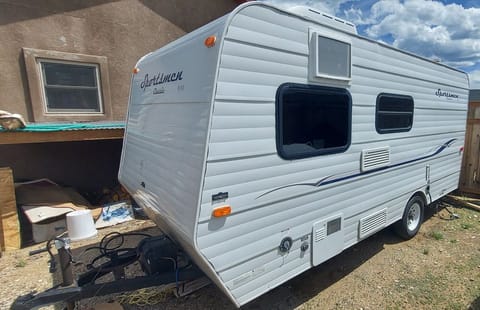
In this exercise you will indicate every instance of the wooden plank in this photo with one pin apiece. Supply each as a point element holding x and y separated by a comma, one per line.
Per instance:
<point>470,173</point>
<point>19,137</point>
<point>458,200</point>
<point>466,165</point>
<point>10,227</point>
<point>469,190</point>
<point>465,198</point>
<point>473,121</point>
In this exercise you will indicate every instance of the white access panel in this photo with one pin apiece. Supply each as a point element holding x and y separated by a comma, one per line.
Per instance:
<point>327,239</point>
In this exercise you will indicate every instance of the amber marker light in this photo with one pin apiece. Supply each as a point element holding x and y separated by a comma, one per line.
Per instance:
<point>210,41</point>
<point>222,211</point>
<point>136,70</point>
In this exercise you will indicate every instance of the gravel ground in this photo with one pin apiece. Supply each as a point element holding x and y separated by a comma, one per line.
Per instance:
<point>438,269</point>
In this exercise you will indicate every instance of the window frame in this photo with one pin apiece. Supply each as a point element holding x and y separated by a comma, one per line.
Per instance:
<point>98,86</point>
<point>35,78</point>
<point>378,112</point>
<point>318,56</point>
<point>279,131</point>
<point>314,55</point>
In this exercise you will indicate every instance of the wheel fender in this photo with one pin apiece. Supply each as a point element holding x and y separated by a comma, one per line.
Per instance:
<point>422,195</point>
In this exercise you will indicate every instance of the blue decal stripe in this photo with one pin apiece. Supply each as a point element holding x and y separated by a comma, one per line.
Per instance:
<point>324,181</point>
<point>291,185</point>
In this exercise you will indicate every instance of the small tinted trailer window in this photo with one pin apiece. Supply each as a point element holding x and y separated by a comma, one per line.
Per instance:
<point>333,58</point>
<point>394,113</point>
<point>312,120</point>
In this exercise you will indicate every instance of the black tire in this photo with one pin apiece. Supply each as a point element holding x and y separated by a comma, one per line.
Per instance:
<point>412,218</point>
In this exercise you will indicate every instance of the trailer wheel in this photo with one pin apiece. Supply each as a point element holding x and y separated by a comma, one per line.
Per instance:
<point>412,218</point>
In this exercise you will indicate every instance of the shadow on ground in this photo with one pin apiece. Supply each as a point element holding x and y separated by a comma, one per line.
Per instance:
<point>475,305</point>
<point>310,283</point>
<point>290,295</point>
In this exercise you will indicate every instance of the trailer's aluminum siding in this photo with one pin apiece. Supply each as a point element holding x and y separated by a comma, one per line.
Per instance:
<point>264,48</point>
<point>181,145</point>
<point>163,156</point>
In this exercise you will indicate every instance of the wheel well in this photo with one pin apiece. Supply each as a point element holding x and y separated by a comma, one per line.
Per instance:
<point>407,227</point>
<point>422,196</point>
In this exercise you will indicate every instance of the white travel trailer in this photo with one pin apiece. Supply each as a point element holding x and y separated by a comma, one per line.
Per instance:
<point>268,141</point>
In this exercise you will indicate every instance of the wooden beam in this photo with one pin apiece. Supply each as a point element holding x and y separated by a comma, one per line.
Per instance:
<point>20,137</point>
<point>473,121</point>
<point>460,201</point>
<point>9,224</point>
<point>469,189</point>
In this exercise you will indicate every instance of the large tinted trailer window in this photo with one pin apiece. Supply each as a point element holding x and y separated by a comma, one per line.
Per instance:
<point>312,120</point>
<point>394,113</point>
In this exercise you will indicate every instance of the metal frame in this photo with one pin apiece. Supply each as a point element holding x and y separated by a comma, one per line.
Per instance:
<point>75,293</point>
<point>117,259</point>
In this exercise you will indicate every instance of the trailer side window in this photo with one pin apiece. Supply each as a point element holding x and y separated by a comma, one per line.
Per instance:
<point>333,58</point>
<point>312,120</point>
<point>394,113</point>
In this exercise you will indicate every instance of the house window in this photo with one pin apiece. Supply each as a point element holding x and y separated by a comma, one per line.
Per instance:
<point>71,87</point>
<point>312,120</point>
<point>394,113</point>
<point>67,87</point>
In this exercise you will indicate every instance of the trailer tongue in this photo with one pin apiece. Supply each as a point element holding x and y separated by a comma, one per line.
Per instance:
<point>162,262</point>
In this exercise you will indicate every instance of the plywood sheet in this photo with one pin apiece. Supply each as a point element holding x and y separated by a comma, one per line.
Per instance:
<point>470,174</point>
<point>9,225</point>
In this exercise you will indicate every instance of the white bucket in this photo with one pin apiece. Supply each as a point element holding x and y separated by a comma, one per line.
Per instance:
<point>80,225</point>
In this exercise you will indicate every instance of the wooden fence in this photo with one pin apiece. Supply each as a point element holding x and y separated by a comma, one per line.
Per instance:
<point>470,174</point>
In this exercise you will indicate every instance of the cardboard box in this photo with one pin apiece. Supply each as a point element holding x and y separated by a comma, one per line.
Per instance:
<point>49,229</point>
<point>45,205</point>
<point>9,225</point>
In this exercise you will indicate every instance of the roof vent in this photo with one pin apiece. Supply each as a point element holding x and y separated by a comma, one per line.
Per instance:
<point>324,18</point>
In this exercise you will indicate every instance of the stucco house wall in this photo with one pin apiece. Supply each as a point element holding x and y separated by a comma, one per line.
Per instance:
<point>118,31</point>
<point>113,33</point>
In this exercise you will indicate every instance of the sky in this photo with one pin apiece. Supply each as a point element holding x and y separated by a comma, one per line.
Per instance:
<point>443,30</point>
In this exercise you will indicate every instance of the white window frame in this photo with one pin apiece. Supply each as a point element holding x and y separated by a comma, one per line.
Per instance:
<point>315,74</point>
<point>70,111</point>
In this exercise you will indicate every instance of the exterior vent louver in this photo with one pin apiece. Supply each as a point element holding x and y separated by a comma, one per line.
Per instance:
<point>372,223</point>
<point>375,158</point>
<point>320,234</point>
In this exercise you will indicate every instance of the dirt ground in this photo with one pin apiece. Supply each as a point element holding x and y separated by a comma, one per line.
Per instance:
<point>438,269</point>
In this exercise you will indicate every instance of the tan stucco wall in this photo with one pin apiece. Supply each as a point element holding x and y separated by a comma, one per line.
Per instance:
<point>122,31</point>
